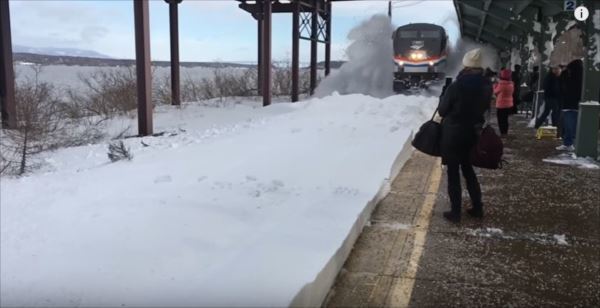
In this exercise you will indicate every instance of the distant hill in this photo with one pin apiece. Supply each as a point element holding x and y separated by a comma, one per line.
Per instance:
<point>94,61</point>
<point>54,51</point>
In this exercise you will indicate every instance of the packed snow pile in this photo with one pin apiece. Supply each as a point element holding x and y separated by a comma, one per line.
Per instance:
<point>370,67</point>
<point>242,212</point>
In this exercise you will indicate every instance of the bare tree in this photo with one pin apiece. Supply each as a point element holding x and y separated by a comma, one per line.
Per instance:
<point>42,125</point>
<point>39,121</point>
<point>107,93</point>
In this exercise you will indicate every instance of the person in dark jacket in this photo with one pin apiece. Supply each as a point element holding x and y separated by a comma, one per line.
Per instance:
<point>462,108</point>
<point>571,96</point>
<point>516,78</point>
<point>552,97</point>
<point>532,83</point>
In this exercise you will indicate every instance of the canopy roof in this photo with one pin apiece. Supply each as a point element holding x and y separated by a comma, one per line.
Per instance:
<point>495,22</point>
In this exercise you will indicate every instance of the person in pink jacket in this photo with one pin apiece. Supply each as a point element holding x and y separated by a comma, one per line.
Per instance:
<point>504,99</point>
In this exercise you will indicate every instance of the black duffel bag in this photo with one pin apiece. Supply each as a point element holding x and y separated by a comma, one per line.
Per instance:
<point>428,138</point>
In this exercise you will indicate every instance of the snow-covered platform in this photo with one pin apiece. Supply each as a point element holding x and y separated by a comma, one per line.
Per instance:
<point>242,206</point>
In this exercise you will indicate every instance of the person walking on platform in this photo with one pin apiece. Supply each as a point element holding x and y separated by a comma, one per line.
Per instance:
<point>504,90</point>
<point>572,86</point>
<point>552,97</point>
<point>462,108</point>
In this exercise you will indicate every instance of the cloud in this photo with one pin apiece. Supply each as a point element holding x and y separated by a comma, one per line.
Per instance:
<point>91,34</point>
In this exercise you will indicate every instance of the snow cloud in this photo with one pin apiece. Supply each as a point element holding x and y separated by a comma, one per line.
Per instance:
<point>369,69</point>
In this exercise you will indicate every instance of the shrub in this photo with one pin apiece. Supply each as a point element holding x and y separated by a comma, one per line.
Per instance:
<point>42,125</point>
<point>107,93</point>
<point>118,151</point>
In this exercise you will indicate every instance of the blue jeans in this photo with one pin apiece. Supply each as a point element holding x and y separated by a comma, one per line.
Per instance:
<point>570,126</point>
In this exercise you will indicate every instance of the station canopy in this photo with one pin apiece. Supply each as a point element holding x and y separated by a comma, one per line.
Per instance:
<point>496,22</point>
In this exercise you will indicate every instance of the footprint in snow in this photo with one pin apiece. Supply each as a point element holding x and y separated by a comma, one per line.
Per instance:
<point>250,178</point>
<point>202,178</point>
<point>394,128</point>
<point>163,179</point>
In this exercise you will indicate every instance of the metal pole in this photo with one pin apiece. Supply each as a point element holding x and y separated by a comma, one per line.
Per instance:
<point>314,36</point>
<point>142,59</point>
<point>295,50</point>
<point>266,72</point>
<point>328,40</point>
<point>259,70</point>
<point>174,27</point>
<point>7,75</point>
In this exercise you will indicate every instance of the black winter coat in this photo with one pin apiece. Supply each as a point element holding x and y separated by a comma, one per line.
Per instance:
<point>552,86</point>
<point>572,85</point>
<point>462,108</point>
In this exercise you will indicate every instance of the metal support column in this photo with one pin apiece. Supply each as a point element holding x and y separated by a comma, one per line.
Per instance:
<point>591,90</point>
<point>259,66</point>
<point>328,39</point>
<point>7,75</point>
<point>266,60</point>
<point>174,27</point>
<point>142,60</point>
<point>295,50</point>
<point>314,37</point>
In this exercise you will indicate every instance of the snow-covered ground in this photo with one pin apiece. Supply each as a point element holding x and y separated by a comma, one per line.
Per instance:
<point>570,159</point>
<point>243,205</point>
<point>66,77</point>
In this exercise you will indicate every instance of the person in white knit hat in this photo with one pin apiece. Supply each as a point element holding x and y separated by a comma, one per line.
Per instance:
<point>472,58</point>
<point>462,108</point>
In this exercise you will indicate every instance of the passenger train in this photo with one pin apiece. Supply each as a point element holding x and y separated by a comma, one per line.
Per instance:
<point>420,52</point>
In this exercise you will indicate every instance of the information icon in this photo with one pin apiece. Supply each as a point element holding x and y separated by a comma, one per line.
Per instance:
<point>581,13</point>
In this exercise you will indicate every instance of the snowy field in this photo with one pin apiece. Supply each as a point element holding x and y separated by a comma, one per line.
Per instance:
<point>235,205</point>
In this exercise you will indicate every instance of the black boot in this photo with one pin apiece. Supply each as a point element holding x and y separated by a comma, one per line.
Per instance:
<point>452,217</point>
<point>475,212</point>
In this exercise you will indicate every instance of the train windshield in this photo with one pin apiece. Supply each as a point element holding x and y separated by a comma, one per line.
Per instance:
<point>430,34</point>
<point>434,34</point>
<point>409,34</point>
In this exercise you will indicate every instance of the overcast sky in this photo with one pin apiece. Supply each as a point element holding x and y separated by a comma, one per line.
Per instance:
<point>209,29</point>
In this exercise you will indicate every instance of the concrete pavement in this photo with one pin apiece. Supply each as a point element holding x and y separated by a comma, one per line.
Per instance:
<point>537,246</point>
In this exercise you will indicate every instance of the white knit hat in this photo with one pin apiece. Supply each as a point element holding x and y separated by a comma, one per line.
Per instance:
<point>472,58</point>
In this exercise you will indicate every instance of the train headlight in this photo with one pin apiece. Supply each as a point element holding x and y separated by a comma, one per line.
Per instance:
<point>430,63</point>
<point>417,55</point>
<point>401,63</point>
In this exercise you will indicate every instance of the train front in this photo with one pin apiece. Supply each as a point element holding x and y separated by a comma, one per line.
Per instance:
<point>420,52</point>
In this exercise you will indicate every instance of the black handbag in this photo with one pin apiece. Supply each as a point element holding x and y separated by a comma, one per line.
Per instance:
<point>428,138</point>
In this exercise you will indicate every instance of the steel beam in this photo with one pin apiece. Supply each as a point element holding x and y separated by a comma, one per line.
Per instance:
<point>7,75</point>
<point>486,7</point>
<point>259,52</point>
<point>266,61</point>
<point>328,39</point>
<point>501,15</point>
<point>296,51</point>
<point>314,35</point>
<point>174,27</point>
<point>143,68</point>
<point>489,31</point>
